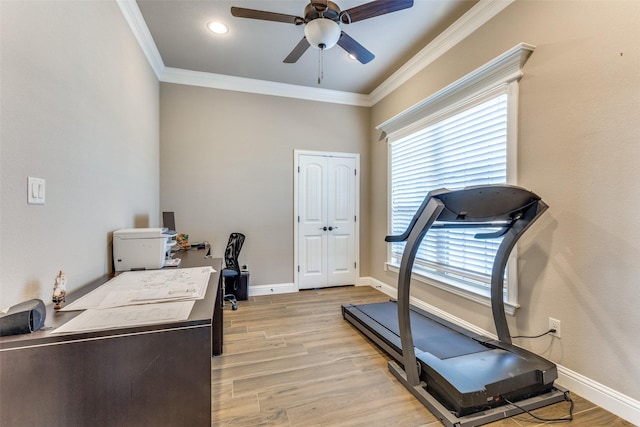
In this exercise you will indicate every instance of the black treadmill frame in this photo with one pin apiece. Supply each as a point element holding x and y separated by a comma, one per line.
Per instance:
<point>512,209</point>
<point>446,417</point>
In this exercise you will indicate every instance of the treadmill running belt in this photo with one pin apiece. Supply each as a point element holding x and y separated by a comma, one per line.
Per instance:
<point>428,336</point>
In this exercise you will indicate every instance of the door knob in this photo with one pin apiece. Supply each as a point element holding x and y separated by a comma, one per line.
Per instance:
<point>330,228</point>
<point>323,228</point>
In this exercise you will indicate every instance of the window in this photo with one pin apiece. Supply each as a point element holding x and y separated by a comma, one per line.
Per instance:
<point>464,149</point>
<point>462,136</point>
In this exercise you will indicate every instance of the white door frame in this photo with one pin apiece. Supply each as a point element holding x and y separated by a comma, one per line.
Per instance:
<point>296,175</point>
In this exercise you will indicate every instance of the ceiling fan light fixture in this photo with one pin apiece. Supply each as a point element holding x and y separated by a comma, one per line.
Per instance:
<point>217,27</point>
<point>322,33</point>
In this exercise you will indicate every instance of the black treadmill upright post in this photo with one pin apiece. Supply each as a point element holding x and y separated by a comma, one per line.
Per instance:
<point>419,228</point>
<point>517,229</point>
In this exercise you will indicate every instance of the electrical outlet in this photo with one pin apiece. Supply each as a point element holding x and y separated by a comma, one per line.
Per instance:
<point>555,324</point>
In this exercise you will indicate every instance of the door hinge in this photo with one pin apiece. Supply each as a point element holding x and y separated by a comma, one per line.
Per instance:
<point>355,172</point>
<point>298,169</point>
<point>298,218</point>
<point>298,269</point>
<point>355,218</point>
<point>355,265</point>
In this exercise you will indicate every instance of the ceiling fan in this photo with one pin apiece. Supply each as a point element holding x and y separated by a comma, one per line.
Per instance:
<point>322,19</point>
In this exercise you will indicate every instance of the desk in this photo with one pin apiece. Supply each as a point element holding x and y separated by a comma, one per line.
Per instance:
<point>152,375</point>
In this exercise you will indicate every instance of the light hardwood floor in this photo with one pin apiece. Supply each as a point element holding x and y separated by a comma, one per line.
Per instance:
<point>292,360</point>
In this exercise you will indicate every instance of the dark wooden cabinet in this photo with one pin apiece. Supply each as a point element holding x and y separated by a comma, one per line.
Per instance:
<point>153,375</point>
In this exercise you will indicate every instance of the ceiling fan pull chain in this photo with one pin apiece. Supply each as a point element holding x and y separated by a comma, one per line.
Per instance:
<point>320,66</point>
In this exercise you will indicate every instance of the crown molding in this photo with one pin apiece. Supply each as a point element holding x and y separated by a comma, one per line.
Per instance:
<point>477,16</point>
<point>133,16</point>
<point>262,87</point>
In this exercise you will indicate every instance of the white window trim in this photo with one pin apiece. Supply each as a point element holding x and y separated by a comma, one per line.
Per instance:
<point>505,69</point>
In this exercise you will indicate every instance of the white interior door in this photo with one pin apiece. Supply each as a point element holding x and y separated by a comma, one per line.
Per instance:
<point>326,220</point>
<point>312,221</point>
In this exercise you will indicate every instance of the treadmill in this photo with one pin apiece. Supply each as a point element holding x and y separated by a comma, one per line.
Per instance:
<point>463,378</point>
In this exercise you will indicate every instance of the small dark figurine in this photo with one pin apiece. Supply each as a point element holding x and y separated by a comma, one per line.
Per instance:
<point>59,290</point>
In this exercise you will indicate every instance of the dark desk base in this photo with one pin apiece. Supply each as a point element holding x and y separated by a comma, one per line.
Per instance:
<point>152,375</point>
<point>149,379</point>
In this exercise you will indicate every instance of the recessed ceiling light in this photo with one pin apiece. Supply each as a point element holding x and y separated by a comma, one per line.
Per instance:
<point>218,27</point>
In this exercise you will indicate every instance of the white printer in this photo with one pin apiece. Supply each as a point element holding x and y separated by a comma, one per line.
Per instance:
<point>142,248</point>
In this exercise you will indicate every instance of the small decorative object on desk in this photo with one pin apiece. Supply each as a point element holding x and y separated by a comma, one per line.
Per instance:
<point>182,241</point>
<point>59,290</point>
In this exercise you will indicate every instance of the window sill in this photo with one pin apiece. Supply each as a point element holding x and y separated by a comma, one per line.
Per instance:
<point>456,288</point>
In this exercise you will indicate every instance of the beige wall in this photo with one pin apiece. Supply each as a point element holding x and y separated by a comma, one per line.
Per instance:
<point>227,165</point>
<point>579,148</point>
<point>79,108</point>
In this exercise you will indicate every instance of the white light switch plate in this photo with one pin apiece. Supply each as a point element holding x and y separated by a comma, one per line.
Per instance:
<point>35,191</point>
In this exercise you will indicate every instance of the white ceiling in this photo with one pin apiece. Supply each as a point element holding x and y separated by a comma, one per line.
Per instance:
<point>255,49</point>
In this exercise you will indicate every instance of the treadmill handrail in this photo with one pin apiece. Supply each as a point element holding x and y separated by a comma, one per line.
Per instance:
<point>490,203</point>
<point>402,237</point>
<point>503,215</point>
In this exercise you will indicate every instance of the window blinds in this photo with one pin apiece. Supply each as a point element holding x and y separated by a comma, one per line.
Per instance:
<point>467,147</point>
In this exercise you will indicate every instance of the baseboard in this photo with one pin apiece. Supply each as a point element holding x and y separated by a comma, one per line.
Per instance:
<point>280,288</point>
<point>286,288</point>
<point>603,396</point>
<point>617,403</point>
<point>377,284</point>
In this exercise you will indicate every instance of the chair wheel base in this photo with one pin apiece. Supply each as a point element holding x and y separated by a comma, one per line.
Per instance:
<point>230,298</point>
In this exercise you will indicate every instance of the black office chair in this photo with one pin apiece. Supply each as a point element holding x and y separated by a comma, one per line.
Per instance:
<point>231,272</point>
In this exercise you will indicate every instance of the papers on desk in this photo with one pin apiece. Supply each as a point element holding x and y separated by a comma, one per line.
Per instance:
<point>146,287</point>
<point>139,298</point>
<point>130,315</point>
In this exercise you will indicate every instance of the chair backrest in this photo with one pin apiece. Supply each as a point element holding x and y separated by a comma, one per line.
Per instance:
<point>236,240</point>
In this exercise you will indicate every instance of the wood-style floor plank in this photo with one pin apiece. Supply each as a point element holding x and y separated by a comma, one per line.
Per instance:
<point>291,360</point>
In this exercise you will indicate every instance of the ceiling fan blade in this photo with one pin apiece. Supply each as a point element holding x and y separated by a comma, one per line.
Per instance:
<point>297,51</point>
<point>241,12</point>
<point>374,8</point>
<point>354,48</point>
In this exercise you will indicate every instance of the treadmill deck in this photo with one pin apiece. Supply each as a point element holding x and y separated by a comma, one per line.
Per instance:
<point>464,371</point>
